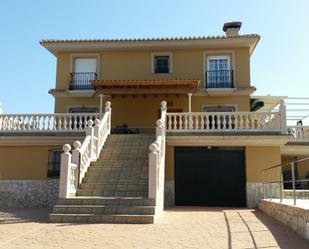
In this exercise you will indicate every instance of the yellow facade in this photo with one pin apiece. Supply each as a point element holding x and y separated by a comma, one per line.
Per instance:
<point>24,162</point>
<point>259,158</point>
<point>137,65</point>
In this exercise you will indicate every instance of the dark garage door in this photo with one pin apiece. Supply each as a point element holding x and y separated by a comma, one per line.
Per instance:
<point>210,176</point>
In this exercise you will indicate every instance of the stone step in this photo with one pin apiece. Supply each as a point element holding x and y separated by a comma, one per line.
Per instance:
<point>106,201</point>
<point>129,179</point>
<point>130,141</point>
<point>91,218</point>
<point>118,169</point>
<point>126,174</point>
<point>115,181</point>
<point>115,187</point>
<point>101,209</point>
<point>122,156</point>
<point>119,165</point>
<point>109,193</point>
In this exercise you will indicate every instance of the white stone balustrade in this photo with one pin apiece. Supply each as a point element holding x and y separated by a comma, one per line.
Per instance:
<point>157,162</point>
<point>57,122</point>
<point>224,121</point>
<point>74,166</point>
<point>299,133</point>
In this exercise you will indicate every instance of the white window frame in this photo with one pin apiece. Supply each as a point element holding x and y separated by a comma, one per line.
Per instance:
<point>221,57</point>
<point>219,54</point>
<point>170,62</point>
<point>85,56</point>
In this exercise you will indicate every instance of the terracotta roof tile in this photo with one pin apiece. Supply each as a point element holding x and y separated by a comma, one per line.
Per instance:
<point>146,39</point>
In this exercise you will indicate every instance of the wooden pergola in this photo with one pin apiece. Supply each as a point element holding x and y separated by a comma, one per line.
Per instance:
<point>145,87</point>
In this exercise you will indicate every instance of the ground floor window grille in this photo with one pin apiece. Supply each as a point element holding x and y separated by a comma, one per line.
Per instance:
<point>82,120</point>
<point>217,121</point>
<point>54,160</point>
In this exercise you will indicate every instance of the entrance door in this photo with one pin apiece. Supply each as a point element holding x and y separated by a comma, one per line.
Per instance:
<point>210,176</point>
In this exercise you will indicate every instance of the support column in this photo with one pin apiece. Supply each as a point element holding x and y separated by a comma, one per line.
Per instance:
<point>189,101</point>
<point>101,103</point>
<point>283,119</point>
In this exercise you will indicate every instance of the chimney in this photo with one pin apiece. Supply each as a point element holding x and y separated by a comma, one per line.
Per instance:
<point>231,28</point>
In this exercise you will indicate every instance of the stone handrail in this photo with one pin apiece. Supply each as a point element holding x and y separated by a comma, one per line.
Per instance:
<point>56,122</point>
<point>74,166</point>
<point>157,162</point>
<point>224,121</point>
<point>299,132</point>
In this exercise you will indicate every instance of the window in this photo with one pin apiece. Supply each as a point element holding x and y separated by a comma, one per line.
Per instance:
<point>161,64</point>
<point>83,120</point>
<point>219,108</point>
<point>85,70</point>
<point>216,121</point>
<point>54,161</point>
<point>83,109</point>
<point>218,74</point>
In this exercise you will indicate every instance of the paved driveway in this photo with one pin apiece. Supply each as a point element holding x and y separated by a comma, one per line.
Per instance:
<point>178,228</point>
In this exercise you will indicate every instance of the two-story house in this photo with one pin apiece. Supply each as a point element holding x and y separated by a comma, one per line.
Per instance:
<point>188,100</point>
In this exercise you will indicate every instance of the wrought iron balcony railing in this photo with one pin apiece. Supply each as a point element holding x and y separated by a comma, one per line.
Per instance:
<point>81,81</point>
<point>220,79</point>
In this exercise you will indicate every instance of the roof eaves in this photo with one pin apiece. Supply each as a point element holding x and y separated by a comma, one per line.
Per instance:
<point>44,41</point>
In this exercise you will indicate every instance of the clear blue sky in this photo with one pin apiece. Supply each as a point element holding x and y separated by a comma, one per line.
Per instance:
<point>279,65</point>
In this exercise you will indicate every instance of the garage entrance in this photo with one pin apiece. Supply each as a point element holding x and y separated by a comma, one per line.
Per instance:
<point>207,176</point>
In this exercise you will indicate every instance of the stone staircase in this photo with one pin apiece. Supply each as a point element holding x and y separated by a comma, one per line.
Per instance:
<point>115,187</point>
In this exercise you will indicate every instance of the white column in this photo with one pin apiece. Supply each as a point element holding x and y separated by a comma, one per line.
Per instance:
<point>283,120</point>
<point>189,101</point>
<point>101,103</point>
<point>64,185</point>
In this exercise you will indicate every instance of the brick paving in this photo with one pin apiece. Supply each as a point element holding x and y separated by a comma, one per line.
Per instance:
<point>177,228</point>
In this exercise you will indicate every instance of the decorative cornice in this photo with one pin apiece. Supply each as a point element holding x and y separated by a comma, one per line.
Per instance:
<point>237,139</point>
<point>225,91</point>
<point>71,93</point>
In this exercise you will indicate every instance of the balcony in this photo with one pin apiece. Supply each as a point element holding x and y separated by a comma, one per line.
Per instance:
<point>299,133</point>
<point>82,81</point>
<point>225,122</point>
<point>56,122</point>
<point>220,79</point>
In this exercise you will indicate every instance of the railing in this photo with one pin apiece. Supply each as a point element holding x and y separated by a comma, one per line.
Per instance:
<point>81,81</point>
<point>157,162</point>
<point>284,181</point>
<point>45,122</point>
<point>220,79</point>
<point>224,121</point>
<point>75,165</point>
<point>299,132</point>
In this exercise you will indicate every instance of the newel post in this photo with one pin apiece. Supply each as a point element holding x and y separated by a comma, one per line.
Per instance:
<point>96,134</point>
<point>283,120</point>
<point>75,160</point>
<point>64,172</point>
<point>163,106</point>
<point>109,110</point>
<point>152,174</point>
<point>89,132</point>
